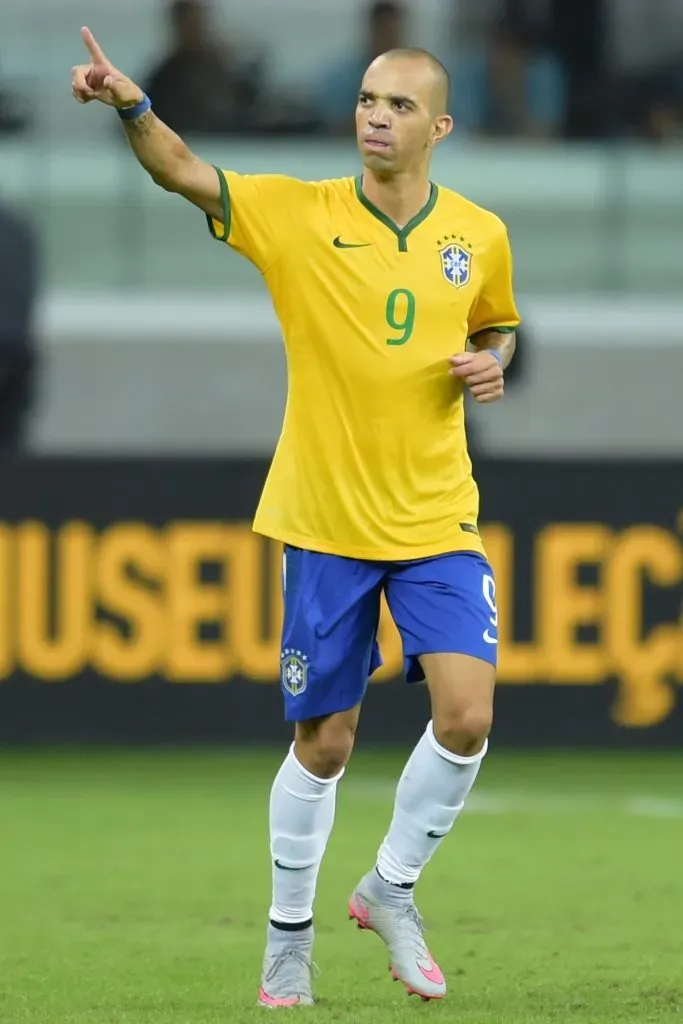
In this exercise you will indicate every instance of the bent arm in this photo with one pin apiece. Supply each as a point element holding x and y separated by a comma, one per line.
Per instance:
<point>503,341</point>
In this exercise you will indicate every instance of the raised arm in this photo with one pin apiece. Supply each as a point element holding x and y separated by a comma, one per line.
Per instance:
<point>164,155</point>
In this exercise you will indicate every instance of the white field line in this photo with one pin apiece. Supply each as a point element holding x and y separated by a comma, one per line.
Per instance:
<point>490,801</point>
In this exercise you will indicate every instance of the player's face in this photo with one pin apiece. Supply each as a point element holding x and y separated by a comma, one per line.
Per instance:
<point>395,122</point>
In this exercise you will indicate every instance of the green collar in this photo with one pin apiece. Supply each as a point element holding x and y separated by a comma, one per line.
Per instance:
<point>401,233</point>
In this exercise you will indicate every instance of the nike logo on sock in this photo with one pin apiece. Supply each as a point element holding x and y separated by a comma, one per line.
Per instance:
<point>437,835</point>
<point>287,867</point>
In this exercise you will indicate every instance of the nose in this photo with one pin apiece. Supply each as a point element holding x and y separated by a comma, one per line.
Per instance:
<point>379,119</point>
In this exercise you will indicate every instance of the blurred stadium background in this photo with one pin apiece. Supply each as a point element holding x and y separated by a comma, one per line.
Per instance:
<point>142,386</point>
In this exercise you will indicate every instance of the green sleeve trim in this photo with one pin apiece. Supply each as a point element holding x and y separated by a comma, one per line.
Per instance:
<point>496,330</point>
<point>225,204</point>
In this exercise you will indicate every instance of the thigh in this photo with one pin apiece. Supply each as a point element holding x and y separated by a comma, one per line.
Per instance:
<point>329,635</point>
<point>444,605</point>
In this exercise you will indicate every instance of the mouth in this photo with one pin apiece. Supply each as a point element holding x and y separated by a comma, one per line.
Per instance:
<point>376,145</point>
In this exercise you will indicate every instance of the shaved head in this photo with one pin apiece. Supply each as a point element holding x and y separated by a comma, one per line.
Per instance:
<point>401,113</point>
<point>441,80</point>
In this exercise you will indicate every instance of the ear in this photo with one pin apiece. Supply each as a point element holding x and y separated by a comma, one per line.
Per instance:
<point>442,128</point>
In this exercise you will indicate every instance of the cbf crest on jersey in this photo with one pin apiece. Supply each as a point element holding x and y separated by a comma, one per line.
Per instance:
<point>294,671</point>
<point>456,264</point>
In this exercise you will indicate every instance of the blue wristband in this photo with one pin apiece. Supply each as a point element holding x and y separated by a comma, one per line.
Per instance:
<point>132,113</point>
<point>497,355</point>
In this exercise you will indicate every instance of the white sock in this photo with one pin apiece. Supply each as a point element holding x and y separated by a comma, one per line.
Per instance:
<point>431,793</point>
<point>301,818</point>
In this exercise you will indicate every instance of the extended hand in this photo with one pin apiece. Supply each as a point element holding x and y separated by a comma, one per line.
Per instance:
<point>482,373</point>
<point>100,80</point>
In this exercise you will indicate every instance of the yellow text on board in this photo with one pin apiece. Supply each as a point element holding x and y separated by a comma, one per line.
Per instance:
<point>200,602</point>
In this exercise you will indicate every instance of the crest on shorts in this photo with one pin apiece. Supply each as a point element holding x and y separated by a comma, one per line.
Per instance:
<point>294,671</point>
<point>456,264</point>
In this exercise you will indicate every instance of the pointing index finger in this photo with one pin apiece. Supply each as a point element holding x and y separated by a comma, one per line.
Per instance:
<point>94,48</point>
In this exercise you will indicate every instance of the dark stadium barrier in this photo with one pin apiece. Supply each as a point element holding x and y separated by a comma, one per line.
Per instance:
<point>136,605</point>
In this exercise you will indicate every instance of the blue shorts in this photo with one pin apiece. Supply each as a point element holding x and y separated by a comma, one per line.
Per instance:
<point>444,604</point>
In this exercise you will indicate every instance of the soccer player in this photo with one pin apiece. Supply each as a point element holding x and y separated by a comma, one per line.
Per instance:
<point>394,295</point>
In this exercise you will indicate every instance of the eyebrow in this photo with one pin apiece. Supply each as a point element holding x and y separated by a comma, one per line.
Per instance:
<point>406,100</point>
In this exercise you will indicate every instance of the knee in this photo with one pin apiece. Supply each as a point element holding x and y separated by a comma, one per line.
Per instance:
<point>463,731</point>
<point>326,748</point>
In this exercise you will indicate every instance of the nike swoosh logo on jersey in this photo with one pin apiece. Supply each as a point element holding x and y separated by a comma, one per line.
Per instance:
<point>490,639</point>
<point>338,244</point>
<point>286,867</point>
<point>437,835</point>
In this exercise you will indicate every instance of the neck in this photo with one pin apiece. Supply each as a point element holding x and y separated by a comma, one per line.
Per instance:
<point>400,197</point>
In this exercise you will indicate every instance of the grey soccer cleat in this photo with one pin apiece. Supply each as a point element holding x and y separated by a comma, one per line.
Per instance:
<point>287,976</point>
<point>399,925</point>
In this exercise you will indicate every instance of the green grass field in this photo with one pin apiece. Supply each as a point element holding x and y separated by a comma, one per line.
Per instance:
<point>133,888</point>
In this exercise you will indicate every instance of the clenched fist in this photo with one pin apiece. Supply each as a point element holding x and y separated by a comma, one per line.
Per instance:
<point>100,80</point>
<point>482,373</point>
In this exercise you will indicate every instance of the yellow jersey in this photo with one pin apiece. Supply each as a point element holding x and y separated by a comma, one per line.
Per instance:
<point>372,462</point>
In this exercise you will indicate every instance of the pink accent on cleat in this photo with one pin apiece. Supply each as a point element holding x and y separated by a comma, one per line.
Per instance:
<point>432,973</point>
<point>413,991</point>
<point>359,913</point>
<point>266,1000</point>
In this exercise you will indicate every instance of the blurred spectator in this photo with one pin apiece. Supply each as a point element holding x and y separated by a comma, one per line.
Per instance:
<point>646,62</point>
<point>12,118</point>
<point>18,287</point>
<point>506,81</point>
<point>577,31</point>
<point>385,30</point>
<point>201,88</point>
<point>622,62</point>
